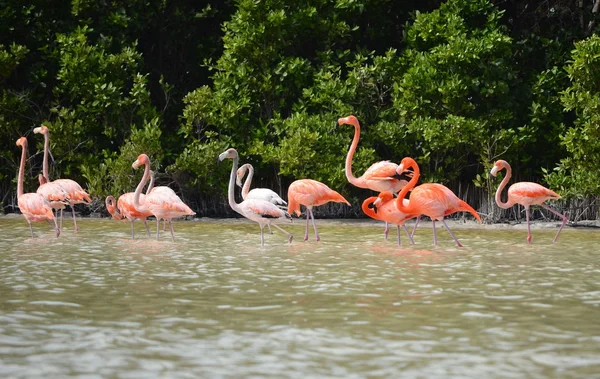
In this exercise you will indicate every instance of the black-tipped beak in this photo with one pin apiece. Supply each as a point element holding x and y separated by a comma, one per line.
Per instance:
<point>337,123</point>
<point>373,207</point>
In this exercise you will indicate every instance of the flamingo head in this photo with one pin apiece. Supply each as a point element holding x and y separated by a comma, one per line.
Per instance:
<point>240,174</point>
<point>41,129</point>
<point>405,164</point>
<point>499,165</point>
<point>142,159</point>
<point>230,153</point>
<point>384,197</point>
<point>22,142</point>
<point>349,120</point>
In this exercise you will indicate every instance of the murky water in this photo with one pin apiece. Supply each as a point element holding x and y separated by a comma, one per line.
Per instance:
<point>216,304</point>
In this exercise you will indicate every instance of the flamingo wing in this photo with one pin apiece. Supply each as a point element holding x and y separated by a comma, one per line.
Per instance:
<point>267,195</point>
<point>528,193</point>
<point>76,193</point>
<point>35,207</point>
<point>263,209</point>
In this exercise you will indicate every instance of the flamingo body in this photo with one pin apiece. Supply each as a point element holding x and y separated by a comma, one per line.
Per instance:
<point>383,208</point>
<point>256,193</point>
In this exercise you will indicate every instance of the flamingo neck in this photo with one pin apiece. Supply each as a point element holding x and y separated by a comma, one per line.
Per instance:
<point>411,184</point>
<point>348,167</point>
<point>369,211</point>
<point>248,182</point>
<point>230,191</point>
<point>151,185</point>
<point>46,150</point>
<point>111,206</point>
<point>138,190</point>
<point>21,175</point>
<point>509,203</point>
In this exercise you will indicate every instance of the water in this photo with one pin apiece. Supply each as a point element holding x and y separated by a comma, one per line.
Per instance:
<point>216,304</point>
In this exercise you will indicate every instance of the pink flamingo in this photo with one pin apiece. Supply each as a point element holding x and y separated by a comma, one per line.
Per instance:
<point>380,177</point>
<point>257,210</point>
<point>76,194</point>
<point>310,193</point>
<point>526,194</point>
<point>430,199</point>
<point>383,208</point>
<point>163,204</point>
<point>34,206</point>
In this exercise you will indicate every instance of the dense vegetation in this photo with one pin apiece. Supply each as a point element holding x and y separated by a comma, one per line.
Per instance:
<point>455,84</point>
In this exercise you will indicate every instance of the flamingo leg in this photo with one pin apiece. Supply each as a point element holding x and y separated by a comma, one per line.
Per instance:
<point>270,230</point>
<point>434,235</point>
<point>312,217</point>
<point>564,218</point>
<point>408,234</point>
<point>164,225</point>
<point>157,228</point>
<point>528,227</point>
<point>172,232</point>
<point>147,228</point>
<point>306,229</point>
<point>290,236</point>
<point>452,234</point>
<point>415,228</point>
<point>61,218</point>
<point>386,231</point>
<point>132,230</point>
<point>74,219</point>
<point>30,228</point>
<point>262,235</point>
<point>398,233</point>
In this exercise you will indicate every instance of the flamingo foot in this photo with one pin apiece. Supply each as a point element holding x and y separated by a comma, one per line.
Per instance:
<point>290,238</point>
<point>529,238</point>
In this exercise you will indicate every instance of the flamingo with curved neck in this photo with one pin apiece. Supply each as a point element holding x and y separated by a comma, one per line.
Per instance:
<point>383,208</point>
<point>33,206</point>
<point>163,204</point>
<point>526,194</point>
<point>430,199</point>
<point>257,210</point>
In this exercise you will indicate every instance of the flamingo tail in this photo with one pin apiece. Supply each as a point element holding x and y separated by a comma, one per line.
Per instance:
<point>464,207</point>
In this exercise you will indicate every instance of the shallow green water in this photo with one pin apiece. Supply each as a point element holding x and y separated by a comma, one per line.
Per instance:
<point>216,304</point>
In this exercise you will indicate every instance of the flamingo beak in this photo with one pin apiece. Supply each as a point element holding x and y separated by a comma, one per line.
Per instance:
<point>494,171</point>
<point>37,130</point>
<point>136,164</point>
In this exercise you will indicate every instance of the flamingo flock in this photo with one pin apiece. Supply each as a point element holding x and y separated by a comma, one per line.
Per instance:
<point>264,206</point>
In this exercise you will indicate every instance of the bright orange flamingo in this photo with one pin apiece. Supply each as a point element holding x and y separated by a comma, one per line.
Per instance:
<point>430,199</point>
<point>380,177</point>
<point>75,193</point>
<point>257,210</point>
<point>526,194</point>
<point>383,208</point>
<point>34,206</point>
<point>310,193</point>
<point>163,204</point>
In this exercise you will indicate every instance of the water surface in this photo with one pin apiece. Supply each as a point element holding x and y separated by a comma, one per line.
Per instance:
<point>214,303</point>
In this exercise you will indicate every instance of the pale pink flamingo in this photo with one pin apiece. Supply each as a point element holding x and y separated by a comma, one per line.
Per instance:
<point>33,206</point>
<point>259,211</point>
<point>383,208</point>
<point>75,193</point>
<point>163,204</point>
<point>163,189</point>
<point>430,199</point>
<point>310,193</point>
<point>526,194</point>
<point>380,177</point>
<point>256,193</point>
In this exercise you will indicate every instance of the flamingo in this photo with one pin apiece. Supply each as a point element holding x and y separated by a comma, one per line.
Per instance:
<point>257,210</point>
<point>34,206</point>
<point>383,208</point>
<point>256,193</point>
<point>163,204</point>
<point>526,194</point>
<point>310,193</point>
<point>163,189</point>
<point>76,194</point>
<point>380,176</point>
<point>431,199</point>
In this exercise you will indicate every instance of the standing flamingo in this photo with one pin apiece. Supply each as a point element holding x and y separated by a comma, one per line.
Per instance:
<point>383,208</point>
<point>526,194</point>
<point>380,177</point>
<point>163,204</point>
<point>310,193</point>
<point>256,193</point>
<point>430,199</point>
<point>34,206</point>
<point>260,211</point>
<point>76,194</point>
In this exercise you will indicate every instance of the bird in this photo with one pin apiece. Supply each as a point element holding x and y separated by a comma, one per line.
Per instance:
<point>380,176</point>
<point>163,189</point>
<point>430,199</point>
<point>310,193</point>
<point>256,193</point>
<point>257,210</point>
<point>76,194</point>
<point>124,208</point>
<point>162,203</point>
<point>34,206</point>
<point>383,208</point>
<point>526,194</point>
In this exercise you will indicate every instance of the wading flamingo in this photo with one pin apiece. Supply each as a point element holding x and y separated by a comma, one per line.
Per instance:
<point>75,193</point>
<point>430,199</point>
<point>163,204</point>
<point>310,193</point>
<point>383,208</point>
<point>34,206</point>
<point>526,194</point>
<point>57,197</point>
<point>260,211</point>
<point>256,193</point>
<point>381,176</point>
